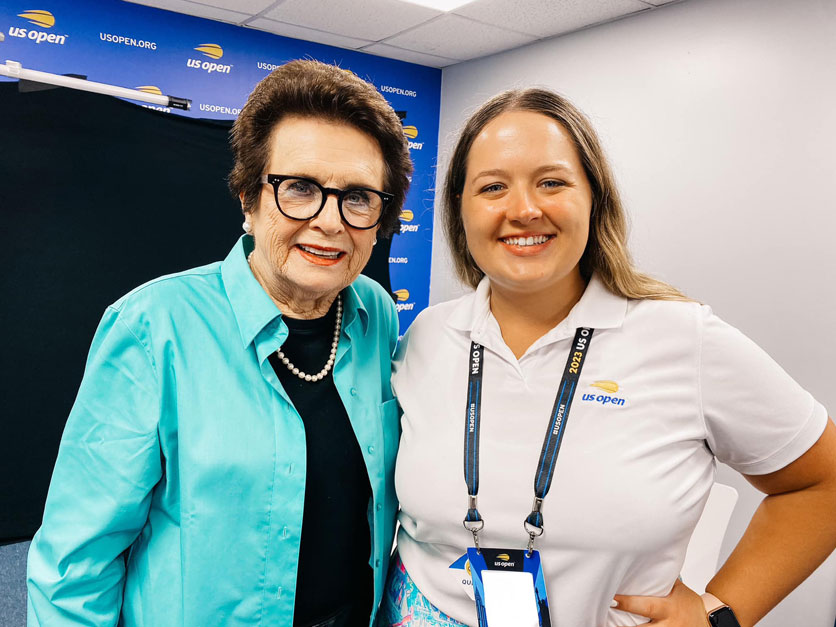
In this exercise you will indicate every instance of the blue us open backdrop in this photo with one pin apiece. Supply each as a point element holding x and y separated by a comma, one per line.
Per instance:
<point>216,65</point>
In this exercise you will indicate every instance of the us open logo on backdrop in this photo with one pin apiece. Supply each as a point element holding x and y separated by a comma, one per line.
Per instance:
<point>214,52</point>
<point>411,133</point>
<point>610,388</point>
<point>43,19</point>
<point>401,298</point>
<point>406,218</point>
<point>156,91</point>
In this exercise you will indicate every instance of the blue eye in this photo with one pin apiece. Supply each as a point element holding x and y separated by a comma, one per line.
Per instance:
<point>553,184</point>
<point>496,187</point>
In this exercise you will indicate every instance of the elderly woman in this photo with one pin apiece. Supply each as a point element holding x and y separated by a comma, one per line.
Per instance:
<point>605,396</point>
<point>228,460</point>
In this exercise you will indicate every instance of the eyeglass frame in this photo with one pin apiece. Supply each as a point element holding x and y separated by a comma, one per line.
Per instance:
<point>277,179</point>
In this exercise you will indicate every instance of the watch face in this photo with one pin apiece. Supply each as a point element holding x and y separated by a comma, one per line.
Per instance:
<point>723,617</point>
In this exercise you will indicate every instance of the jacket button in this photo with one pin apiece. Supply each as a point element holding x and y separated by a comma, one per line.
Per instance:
<point>353,391</point>
<point>377,563</point>
<point>379,506</point>
<point>371,450</point>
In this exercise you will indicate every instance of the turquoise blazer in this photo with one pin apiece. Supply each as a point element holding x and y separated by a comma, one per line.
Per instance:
<point>178,491</point>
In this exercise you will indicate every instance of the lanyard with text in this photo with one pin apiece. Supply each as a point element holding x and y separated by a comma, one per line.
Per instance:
<point>533,524</point>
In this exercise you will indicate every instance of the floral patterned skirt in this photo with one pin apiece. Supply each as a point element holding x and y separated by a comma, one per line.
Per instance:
<point>403,605</point>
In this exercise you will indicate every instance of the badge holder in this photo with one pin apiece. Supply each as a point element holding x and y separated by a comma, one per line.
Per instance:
<point>509,588</point>
<point>508,584</point>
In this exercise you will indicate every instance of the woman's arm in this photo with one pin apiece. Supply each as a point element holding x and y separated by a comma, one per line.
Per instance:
<point>108,463</point>
<point>792,532</point>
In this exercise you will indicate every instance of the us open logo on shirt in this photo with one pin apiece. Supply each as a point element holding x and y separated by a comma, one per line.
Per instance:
<point>213,51</point>
<point>608,398</point>
<point>43,19</point>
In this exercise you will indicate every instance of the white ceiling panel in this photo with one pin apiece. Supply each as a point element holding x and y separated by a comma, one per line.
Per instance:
<point>400,30</point>
<point>308,34</point>
<point>546,18</point>
<point>198,10</point>
<point>456,37</point>
<point>391,52</point>
<point>250,7</point>
<point>365,19</point>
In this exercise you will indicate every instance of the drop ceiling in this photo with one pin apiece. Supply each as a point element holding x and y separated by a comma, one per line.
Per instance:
<point>399,30</point>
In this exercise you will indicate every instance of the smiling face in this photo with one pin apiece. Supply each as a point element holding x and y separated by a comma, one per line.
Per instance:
<point>303,263</point>
<point>526,204</point>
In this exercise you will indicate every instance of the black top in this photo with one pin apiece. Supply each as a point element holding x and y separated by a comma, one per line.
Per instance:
<point>334,569</point>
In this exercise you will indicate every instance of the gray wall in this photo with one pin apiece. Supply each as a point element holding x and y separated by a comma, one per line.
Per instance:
<point>720,118</point>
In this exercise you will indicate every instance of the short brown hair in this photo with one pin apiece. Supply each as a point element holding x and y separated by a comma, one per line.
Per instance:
<point>313,89</point>
<point>606,250</point>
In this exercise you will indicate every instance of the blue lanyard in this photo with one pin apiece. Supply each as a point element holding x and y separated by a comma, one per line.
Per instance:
<point>533,524</point>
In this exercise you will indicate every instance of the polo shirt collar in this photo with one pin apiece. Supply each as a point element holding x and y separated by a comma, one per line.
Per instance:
<point>252,306</point>
<point>598,308</point>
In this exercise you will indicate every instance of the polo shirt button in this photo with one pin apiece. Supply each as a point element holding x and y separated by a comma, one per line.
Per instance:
<point>379,506</point>
<point>353,391</point>
<point>371,450</point>
<point>285,533</point>
<point>290,469</point>
<point>279,592</point>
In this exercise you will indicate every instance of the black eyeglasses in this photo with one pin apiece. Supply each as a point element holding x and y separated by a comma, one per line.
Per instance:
<point>300,198</point>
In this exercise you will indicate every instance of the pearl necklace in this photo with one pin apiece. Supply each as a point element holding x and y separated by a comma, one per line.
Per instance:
<point>330,363</point>
<point>331,358</point>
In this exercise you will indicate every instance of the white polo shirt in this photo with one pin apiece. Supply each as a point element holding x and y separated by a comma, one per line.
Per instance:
<point>665,387</point>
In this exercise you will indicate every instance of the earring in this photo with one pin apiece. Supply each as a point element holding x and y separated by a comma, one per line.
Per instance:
<point>248,228</point>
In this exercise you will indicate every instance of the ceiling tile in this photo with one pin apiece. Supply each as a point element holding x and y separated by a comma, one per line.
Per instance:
<point>241,6</point>
<point>367,19</point>
<point>546,18</point>
<point>459,38</point>
<point>199,10</point>
<point>308,34</point>
<point>391,52</point>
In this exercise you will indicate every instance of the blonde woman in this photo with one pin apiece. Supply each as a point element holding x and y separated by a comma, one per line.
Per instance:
<point>604,397</point>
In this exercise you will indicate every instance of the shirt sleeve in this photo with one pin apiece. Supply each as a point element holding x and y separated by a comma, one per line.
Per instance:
<point>758,419</point>
<point>108,462</point>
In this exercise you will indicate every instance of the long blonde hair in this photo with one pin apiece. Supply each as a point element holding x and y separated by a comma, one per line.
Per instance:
<point>606,252</point>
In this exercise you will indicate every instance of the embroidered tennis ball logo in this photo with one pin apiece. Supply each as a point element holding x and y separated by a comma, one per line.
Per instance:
<point>213,51</point>
<point>401,295</point>
<point>407,215</point>
<point>150,89</point>
<point>611,387</point>
<point>410,131</point>
<point>503,556</point>
<point>44,19</point>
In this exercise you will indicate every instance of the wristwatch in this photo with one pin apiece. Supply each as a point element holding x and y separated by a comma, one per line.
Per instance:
<point>719,614</point>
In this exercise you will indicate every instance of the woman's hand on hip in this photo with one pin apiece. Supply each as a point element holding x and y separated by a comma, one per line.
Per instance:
<point>681,608</point>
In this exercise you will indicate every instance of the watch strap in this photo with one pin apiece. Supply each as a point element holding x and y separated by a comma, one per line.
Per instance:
<point>711,603</point>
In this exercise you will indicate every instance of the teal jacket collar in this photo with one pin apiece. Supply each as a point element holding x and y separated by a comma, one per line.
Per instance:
<point>253,308</point>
